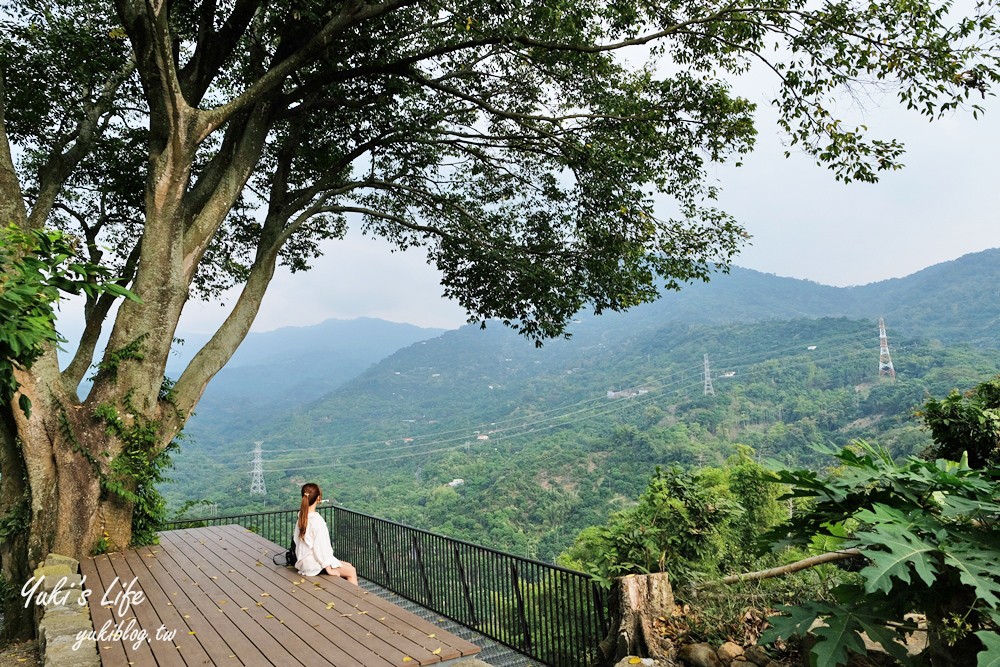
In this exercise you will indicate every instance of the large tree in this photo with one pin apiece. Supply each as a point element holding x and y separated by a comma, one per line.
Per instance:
<point>193,144</point>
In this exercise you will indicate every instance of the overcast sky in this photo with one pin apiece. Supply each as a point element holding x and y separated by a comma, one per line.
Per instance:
<point>804,224</point>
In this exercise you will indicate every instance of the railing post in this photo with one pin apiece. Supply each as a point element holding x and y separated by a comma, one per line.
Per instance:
<point>420,566</point>
<point>465,589</point>
<point>381,556</point>
<point>599,604</point>
<point>338,533</point>
<point>520,606</point>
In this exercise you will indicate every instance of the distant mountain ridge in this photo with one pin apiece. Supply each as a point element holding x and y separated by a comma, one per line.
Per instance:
<point>953,302</point>
<point>470,376</point>
<point>277,370</point>
<point>542,447</point>
<point>957,300</point>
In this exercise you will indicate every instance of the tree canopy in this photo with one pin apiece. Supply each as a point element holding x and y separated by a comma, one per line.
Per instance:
<point>513,141</point>
<point>193,145</point>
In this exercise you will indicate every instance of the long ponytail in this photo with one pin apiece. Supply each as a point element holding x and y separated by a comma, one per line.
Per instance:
<point>310,493</point>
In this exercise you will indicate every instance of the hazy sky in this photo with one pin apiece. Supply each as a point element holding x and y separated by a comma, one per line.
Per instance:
<point>804,224</point>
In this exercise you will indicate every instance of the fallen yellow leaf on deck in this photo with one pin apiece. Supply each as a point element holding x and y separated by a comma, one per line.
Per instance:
<point>634,661</point>
<point>187,615</point>
<point>269,616</point>
<point>330,606</point>
<point>436,651</point>
<point>431,636</point>
<point>407,658</point>
<point>265,595</point>
<point>191,632</point>
<point>244,608</point>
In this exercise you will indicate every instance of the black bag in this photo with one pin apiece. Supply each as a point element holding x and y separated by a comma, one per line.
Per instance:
<point>289,557</point>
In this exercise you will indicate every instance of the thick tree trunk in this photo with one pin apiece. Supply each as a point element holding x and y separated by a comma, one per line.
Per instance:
<point>636,602</point>
<point>51,498</point>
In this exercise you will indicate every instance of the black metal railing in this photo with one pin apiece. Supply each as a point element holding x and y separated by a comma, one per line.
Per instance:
<point>554,615</point>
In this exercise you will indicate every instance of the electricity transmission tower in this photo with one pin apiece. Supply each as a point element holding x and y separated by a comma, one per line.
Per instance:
<point>709,390</point>
<point>257,487</point>
<point>884,360</point>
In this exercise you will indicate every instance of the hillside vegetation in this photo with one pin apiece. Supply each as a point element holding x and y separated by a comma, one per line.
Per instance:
<point>542,449</point>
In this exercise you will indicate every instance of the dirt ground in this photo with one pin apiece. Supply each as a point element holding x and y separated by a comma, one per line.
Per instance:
<point>19,655</point>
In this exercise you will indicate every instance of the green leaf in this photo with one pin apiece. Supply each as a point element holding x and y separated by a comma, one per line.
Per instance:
<point>836,639</point>
<point>887,639</point>
<point>977,570</point>
<point>902,549</point>
<point>24,403</point>
<point>991,656</point>
<point>795,622</point>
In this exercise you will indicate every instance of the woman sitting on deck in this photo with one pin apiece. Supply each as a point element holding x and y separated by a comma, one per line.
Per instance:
<point>311,537</point>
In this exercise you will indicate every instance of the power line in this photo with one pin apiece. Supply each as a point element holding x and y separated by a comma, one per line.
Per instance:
<point>542,421</point>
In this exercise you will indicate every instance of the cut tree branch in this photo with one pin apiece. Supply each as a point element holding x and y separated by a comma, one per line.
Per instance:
<point>805,563</point>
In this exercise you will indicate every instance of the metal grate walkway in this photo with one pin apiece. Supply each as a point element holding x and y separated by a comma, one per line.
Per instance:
<point>493,653</point>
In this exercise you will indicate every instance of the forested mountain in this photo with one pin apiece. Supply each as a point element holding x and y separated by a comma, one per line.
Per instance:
<point>547,441</point>
<point>279,370</point>
<point>957,301</point>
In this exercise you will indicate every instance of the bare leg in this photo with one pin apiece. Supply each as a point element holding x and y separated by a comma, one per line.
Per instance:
<point>345,571</point>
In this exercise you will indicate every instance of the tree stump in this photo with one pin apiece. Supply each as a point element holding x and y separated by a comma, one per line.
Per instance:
<point>635,603</point>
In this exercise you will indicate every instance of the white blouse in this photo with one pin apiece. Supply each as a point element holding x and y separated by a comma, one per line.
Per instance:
<point>313,550</point>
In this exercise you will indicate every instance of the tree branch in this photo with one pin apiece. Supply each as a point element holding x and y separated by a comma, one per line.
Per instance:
<point>95,318</point>
<point>354,13</point>
<point>805,563</point>
<point>214,48</point>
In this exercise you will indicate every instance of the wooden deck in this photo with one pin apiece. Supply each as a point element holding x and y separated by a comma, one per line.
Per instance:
<point>226,603</point>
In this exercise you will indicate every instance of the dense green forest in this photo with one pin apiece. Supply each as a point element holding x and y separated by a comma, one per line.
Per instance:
<point>549,441</point>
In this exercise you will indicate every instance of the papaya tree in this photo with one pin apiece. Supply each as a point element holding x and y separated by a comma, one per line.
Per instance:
<point>926,531</point>
<point>192,145</point>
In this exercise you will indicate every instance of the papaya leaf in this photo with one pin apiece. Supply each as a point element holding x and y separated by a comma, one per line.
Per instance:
<point>836,639</point>
<point>977,570</point>
<point>991,656</point>
<point>795,621</point>
<point>887,639</point>
<point>902,549</point>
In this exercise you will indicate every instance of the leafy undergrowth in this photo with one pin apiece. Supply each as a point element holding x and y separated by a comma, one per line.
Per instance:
<point>928,532</point>
<point>739,612</point>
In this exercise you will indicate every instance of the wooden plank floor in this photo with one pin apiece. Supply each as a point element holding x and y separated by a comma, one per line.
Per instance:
<point>213,596</point>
